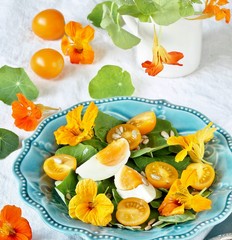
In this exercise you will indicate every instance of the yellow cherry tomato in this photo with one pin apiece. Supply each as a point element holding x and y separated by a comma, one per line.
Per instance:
<point>49,24</point>
<point>205,173</point>
<point>132,211</point>
<point>58,166</point>
<point>47,63</point>
<point>128,131</point>
<point>161,174</point>
<point>145,122</point>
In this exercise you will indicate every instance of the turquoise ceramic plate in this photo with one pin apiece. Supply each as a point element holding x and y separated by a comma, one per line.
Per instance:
<point>35,187</point>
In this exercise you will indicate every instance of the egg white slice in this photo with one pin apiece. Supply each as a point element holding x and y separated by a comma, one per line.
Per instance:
<point>96,170</point>
<point>143,191</point>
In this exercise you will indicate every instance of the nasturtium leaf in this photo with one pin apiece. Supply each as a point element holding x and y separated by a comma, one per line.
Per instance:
<point>146,7</point>
<point>13,81</point>
<point>186,9</point>
<point>97,13</point>
<point>111,81</point>
<point>9,142</point>
<point>168,12</point>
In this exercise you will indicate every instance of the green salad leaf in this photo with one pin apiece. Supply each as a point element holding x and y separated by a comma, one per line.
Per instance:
<point>67,186</point>
<point>103,123</point>
<point>142,161</point>
<point>111,81</point>
<point>13,81</point>
<point>81,152</point>
<point>9,142</point>
<point>188,215</point>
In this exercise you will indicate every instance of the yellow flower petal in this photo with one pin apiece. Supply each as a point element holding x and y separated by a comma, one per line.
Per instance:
<point>200,203</point>
<point>188,177</point>
<point>73,203</point>
<point>180,156</point>
<point>87,189</point>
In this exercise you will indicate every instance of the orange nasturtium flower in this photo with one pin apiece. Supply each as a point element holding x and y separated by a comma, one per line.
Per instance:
<point>214,8</point>
<point>12,225</point>
<point>179,198</point>
<point>77,129</point>
<point>90,207</point>
<point>160,57</point>
<point>75,43</point>
<point>193,144</point>
<point>27,115</point>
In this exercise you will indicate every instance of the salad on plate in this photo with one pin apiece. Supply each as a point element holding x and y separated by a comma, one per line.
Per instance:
<point>136,174</point>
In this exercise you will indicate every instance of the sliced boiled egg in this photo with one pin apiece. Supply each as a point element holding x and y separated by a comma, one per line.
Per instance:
<point>106,162</point>
<point>130,183</point>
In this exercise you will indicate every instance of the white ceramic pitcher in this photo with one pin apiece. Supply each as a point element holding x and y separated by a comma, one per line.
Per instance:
<point>182,36</point>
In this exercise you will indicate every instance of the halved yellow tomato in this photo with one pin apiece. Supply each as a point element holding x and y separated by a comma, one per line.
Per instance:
<point>205,173</point>
<point>145,122</point>
<point>128,131</point>
<point>132,211</point>
<point>58,166</point>
<point>161,174</point>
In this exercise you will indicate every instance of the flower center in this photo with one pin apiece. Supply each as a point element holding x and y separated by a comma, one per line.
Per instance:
<point>6,230</point>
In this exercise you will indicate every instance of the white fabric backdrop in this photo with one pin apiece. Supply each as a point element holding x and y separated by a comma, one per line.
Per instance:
<point>207,90</point>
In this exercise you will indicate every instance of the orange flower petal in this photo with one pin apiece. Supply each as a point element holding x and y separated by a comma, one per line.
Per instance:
<point>174,57</point>
<point>87,33</point>
<point>65,45</point>
<point>151,68</point>
<point>71,28</point>
<point>18,228</point>
<point>25,113</point>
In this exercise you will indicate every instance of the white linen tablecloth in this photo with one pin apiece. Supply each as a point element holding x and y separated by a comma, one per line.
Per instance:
<point>208,90</point>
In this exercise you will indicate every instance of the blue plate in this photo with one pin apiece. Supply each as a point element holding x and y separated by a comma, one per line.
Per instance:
<point>37,189</point>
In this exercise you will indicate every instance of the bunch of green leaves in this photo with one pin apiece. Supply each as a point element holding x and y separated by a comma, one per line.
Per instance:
<point>108,15</point>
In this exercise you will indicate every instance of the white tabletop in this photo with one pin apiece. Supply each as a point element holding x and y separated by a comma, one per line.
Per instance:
<point>207,90</point>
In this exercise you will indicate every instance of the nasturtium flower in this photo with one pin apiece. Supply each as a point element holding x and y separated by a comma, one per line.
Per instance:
<point>12,225</point>
<point>77,129</point>
<point>27,114</point>
<point>160,57</point>
<point>193,144</point>
<point>75,43</point>
<point>179,198</point>
<point>214,8</point>
<point>90,207</point>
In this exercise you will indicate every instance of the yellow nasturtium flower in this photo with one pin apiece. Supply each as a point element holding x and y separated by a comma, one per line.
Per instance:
<point>90,207</point>
<point>179,198</point>
<point>193,144</point>
<point>77,128</point>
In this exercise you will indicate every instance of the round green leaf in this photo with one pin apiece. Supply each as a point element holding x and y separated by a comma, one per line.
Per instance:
<point>9,142</point>
<point>13,81</point>
<point>111,81</point>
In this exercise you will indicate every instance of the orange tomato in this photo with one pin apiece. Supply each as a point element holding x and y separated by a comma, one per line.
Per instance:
<point>58,166</point>
<point>47,63</point>
<point>145,122</point>
<point>132,211</point>
<point>205,173</point>
<point>49,24</point>
<point>161,174</point>
<point>130,132</point>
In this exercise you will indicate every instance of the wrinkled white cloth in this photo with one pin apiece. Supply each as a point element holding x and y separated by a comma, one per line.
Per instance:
<point>207,90</point>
